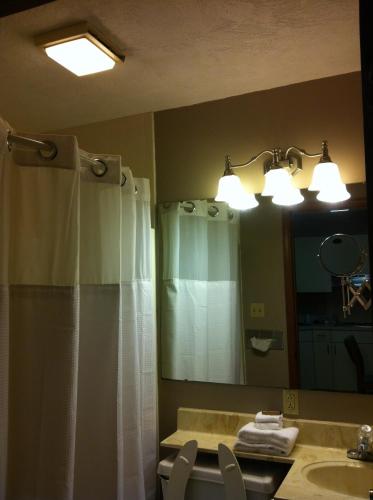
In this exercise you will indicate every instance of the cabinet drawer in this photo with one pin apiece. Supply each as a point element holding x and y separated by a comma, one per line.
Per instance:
<point>362,337</point>
<point>305,336</point>
<point>321,335</point>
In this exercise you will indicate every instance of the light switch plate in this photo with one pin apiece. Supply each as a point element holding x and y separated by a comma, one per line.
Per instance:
<point>257,310</point>
<point>290,403</point>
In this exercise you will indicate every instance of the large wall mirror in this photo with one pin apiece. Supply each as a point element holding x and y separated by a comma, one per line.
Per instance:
<point>272,296</point>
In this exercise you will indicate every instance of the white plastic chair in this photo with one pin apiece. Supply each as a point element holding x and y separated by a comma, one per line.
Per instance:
<point>181,470</point>
<point>230,469</point>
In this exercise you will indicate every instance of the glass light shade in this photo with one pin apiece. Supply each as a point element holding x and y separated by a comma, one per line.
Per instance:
<point>327,180</point>
<point>244,201</point>
<point>288,197</point>
<point>334,193</point>
<point>231,191</point>
<point>279,184</point>
<point>80,56</point>
<point>324,175</point>
<point>275,180</point>
<point>229,188</point>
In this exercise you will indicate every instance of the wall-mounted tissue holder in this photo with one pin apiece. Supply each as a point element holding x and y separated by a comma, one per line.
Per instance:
<point>276,336</point>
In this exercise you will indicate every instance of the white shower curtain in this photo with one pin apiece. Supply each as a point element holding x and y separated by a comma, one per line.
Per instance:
<point>77,337</point>
<point>201,307</point>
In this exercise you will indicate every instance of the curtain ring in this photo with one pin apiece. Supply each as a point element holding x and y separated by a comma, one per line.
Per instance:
<point>124,180</point>
<point>8,142</point>
<point>103,166</point>
<point>213,211</point>
<point>51,154</point>
<point>191,208</point>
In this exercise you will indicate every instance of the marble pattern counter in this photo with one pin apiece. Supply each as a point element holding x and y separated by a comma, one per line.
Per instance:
<point>318,441</point>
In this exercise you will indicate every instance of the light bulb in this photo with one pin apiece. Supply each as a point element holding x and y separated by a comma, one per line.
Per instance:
<point>334,193</point>
<point>244,201</point>
<point>231,191</point>
<point>279,184</point>
<point>274,180</point>
<point>327,180</point>
<point>325,174</point>
<point>288,197</point>
<point>80,56</point>
<point>229,188</point>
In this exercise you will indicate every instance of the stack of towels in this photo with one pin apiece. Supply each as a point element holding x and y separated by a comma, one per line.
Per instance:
<point>266,435</point>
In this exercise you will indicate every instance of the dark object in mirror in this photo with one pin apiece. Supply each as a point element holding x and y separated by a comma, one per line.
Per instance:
<point>364,380</point>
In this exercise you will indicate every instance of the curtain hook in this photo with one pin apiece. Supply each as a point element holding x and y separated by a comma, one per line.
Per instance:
<point>191,208</point>
<point>102,165</point>
<point>213,211</point>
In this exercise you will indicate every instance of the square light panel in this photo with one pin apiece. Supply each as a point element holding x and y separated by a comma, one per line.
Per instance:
<point>77,50</point>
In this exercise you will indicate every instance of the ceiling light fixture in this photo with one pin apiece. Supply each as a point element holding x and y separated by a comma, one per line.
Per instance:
<point>78,50</point>
<point>278,173</point>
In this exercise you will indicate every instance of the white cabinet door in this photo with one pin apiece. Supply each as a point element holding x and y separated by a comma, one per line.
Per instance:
<point>323,361</point>
<point>344,372</point>
<point>307,367</point>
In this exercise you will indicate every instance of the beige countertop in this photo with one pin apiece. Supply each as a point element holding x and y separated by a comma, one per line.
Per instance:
<point>317,442</point>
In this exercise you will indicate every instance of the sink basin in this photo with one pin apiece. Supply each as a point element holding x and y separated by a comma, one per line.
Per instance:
<point>352,479</point>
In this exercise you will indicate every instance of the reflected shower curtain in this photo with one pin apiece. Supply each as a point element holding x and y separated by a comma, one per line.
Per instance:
<point>201,315</point>
<point>77,346</point>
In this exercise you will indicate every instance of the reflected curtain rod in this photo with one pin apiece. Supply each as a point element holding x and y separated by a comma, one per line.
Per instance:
<point>48,151</point>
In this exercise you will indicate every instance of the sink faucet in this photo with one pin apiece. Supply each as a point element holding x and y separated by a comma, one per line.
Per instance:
<point>363,449</point>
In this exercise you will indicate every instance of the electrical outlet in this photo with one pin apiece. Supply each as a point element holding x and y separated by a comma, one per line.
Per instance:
<point>290,404</point>
<point>257,310</point>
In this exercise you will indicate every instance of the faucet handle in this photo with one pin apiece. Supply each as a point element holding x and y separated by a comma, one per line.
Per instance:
<point>364,445</point>
<point>365,434</point>
<point>364,442</point>
<point>366,429</point>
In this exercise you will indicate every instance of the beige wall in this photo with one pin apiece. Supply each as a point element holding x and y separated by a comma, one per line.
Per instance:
<point>191,142</point>
<point>262,262</point>
<point>132,137</point>
<point>190,146</point>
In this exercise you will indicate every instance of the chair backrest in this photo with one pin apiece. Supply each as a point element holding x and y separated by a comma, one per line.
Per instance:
<point>233,481</point>
<point>354,352</point>
<point>181,470</point>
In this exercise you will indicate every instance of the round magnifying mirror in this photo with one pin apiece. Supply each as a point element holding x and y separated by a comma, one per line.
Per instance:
<point>341,255</point>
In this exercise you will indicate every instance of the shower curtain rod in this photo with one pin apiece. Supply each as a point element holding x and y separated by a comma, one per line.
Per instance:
<point>48,150</point>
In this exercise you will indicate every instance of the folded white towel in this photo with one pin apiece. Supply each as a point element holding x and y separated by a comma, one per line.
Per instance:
<point>274,419</point>
<point>283,438</point>
<point>266,449</point>
<point>269,425</point>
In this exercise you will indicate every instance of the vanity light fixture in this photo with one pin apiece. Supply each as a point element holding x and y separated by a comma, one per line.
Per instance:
<point>232,192</point>
<point>278,174</point>
<point>78,50</point>
<point>327,180</point>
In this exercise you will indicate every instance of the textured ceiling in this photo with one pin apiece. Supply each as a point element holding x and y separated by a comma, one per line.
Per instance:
<point>179,52</point>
